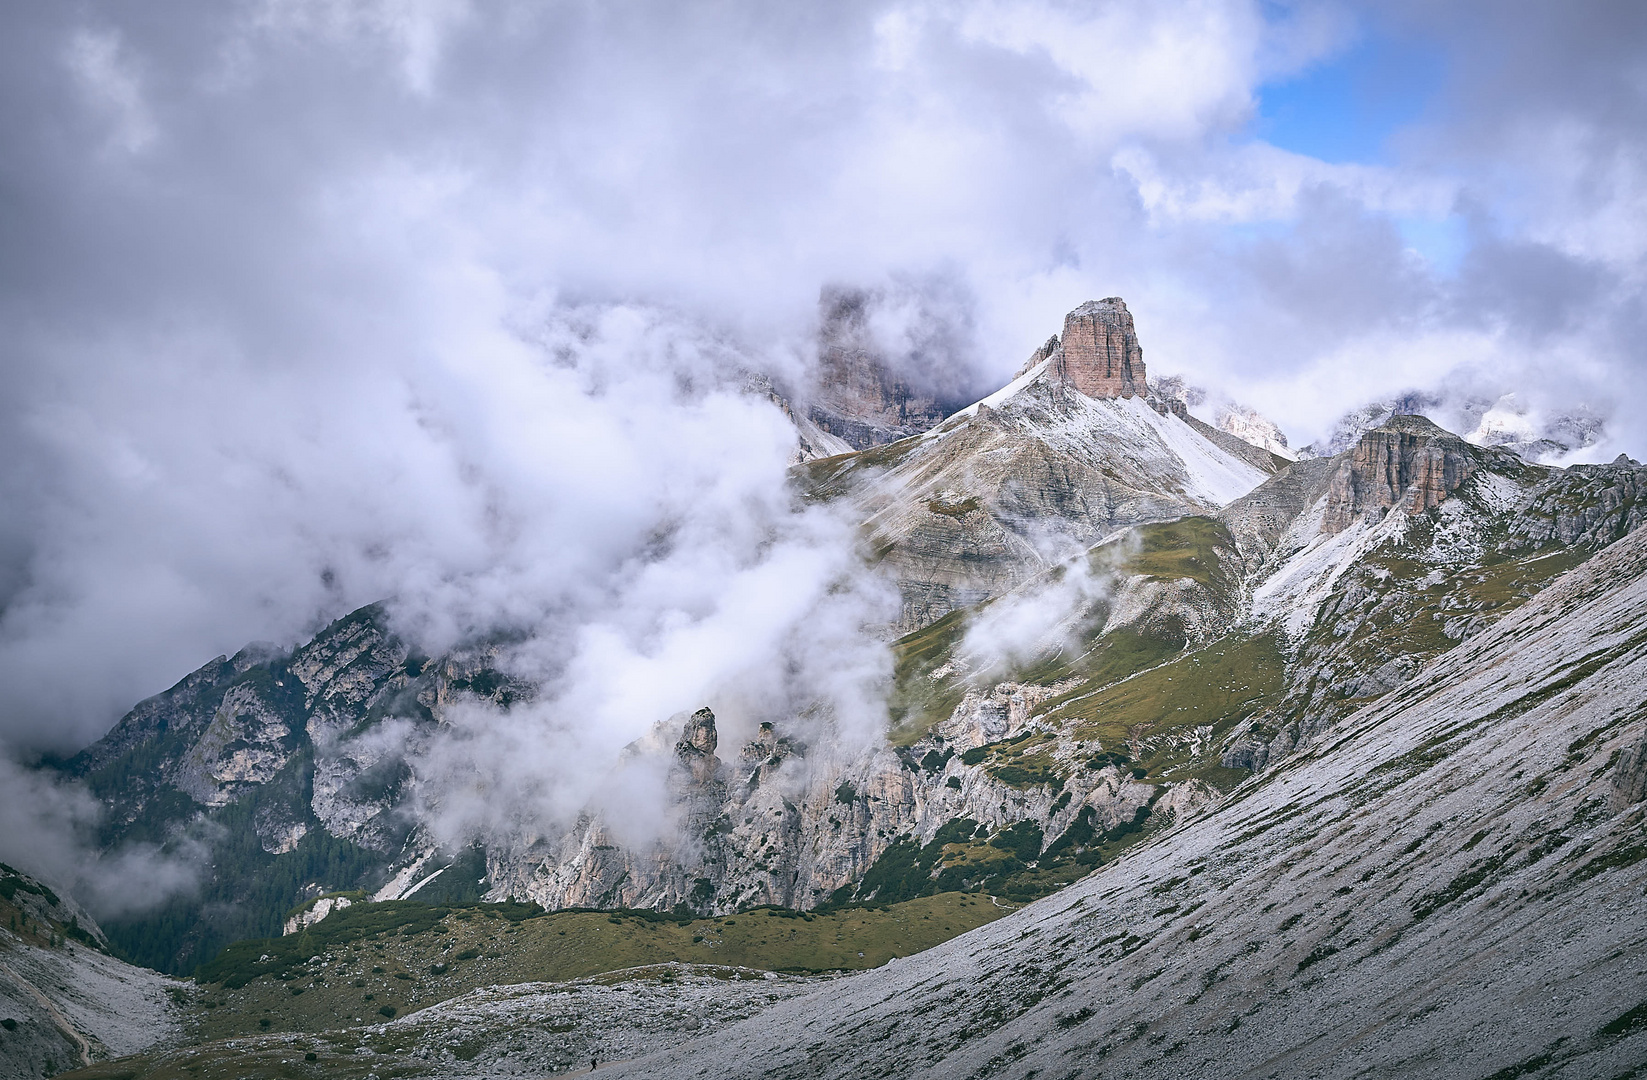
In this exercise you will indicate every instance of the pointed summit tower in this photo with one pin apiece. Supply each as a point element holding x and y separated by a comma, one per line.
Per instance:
<point>1100,355</point>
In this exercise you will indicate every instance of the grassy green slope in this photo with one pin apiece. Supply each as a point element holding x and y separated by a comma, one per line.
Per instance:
<point>402,956</point>
<point>1164,551</point>
<point>1217,686</point>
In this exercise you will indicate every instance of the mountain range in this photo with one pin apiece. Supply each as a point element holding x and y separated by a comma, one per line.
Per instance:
<point>1304,764</point>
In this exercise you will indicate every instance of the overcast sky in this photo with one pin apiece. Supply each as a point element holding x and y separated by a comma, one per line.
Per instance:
<point>311,303</point>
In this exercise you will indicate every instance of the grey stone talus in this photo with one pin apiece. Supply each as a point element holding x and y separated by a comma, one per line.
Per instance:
<point>1448,885</point>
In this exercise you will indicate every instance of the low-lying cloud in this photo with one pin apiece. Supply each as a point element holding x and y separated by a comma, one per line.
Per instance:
<point>1039,619</point>
<point>311,304</point>
<point>49,829</point>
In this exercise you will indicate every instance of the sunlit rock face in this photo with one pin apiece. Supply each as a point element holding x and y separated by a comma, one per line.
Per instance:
<point>1100,353</point>
<point>1408,462</point>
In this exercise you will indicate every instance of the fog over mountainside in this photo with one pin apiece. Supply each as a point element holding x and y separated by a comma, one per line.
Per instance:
<point>876,465</point>
<point>1047,561</point>
<point>1221,714</point>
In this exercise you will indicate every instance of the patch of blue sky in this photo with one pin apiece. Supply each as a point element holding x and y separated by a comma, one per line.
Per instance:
<point>1441,242</point>
<point>1348,108</point>
<point>1345,108</point>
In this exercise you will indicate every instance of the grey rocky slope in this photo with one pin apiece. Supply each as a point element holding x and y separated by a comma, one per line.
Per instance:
<point>523,1030</point>
<point>1448,884</point>
<point>1071,451</point>
<point>64,1002</point>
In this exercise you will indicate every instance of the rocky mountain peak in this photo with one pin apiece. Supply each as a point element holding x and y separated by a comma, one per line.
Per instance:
<point>1099,351</point>
<point>1407,461</point>
<point>1040,354</point>
<point>699,735</point>
<point>1251,426</point>
<point>695,753</point>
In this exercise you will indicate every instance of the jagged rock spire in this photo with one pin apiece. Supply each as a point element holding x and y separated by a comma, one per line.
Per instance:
<point>696,750</point>
<point>1099,351</point>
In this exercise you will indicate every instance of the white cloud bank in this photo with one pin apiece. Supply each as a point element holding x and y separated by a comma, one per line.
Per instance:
<point>311,303</point>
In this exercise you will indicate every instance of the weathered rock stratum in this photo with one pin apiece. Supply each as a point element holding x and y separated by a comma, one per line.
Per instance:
<point>1407,461</point>
<point>1099,354</point>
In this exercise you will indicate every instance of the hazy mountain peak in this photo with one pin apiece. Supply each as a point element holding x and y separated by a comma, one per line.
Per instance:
<point>1506,421</point>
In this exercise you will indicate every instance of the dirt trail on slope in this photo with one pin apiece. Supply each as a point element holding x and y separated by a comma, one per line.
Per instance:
<point>57,1018</point>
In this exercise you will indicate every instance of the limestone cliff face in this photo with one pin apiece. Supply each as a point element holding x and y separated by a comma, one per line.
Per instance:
<point>1099,354</point>
<point>1406,462</point>
<point>247,743</point>
<point>777,825</point>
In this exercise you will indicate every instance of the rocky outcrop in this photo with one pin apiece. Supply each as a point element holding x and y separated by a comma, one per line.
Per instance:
<point>696,750</point>
<point>1251,426</point>
<point>1357,422</point>
<point>1071,451</point>
<point>316,911</point>
<point>1049,347</point>
<point>1098,352</point>
<point>857,397</point>
<point>1406,462</point>
<point>1629,776</point>
<point>248,742</point>
<point>776,826</point>
<point>1588,505</point>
